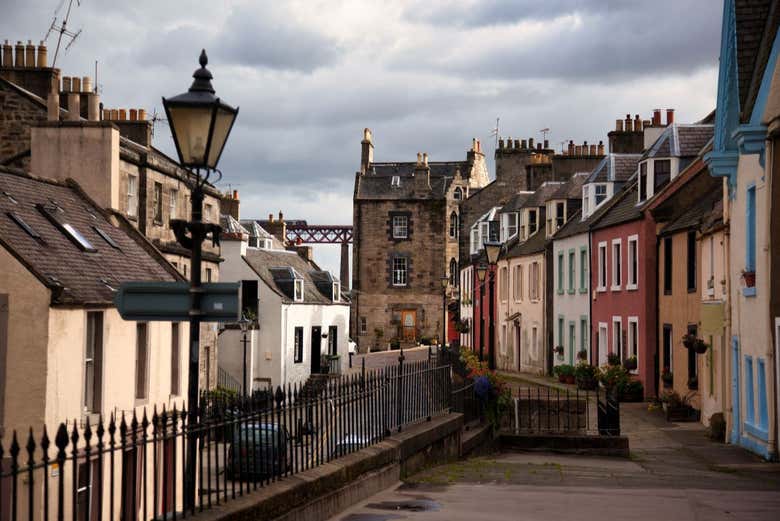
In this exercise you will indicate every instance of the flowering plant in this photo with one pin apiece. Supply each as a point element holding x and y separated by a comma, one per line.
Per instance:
<point>489,387</point>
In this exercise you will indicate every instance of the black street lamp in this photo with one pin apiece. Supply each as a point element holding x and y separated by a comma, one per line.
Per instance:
<point>200,124</point>
<point>445,282</point>
<point>481,272</point>
<point>244,325</point>
<point>492,250</point>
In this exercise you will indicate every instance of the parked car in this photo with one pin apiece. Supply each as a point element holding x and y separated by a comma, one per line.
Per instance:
<point>258,450</point>
<point>351,443</point>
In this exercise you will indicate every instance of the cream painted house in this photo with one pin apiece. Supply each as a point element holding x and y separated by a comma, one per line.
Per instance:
<point>301,315</point>
<point>65,353</point>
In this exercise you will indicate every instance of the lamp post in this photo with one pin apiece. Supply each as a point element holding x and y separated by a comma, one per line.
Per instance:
<point>244,325</point>
<point>492,250</point>
<point>445,282</point>
<point>200,124</point>
<point>481,272</point>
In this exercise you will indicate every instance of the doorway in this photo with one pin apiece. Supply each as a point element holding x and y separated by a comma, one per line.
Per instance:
<point>409,325</point>
<point>316,344</point>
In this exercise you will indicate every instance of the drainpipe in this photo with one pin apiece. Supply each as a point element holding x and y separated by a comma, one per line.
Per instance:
<point>729,413</point>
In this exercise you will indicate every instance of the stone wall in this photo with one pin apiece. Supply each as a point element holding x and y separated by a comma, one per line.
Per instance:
<point>17,114</point>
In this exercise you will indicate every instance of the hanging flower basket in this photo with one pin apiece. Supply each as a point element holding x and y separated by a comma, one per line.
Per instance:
<point>750,278</point>
<point>630,363</point>
<point>700,346</point>
<point>559,350</point>
<point>688,340</point>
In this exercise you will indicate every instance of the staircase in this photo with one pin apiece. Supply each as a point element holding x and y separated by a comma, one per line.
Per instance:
<point>314,386</point>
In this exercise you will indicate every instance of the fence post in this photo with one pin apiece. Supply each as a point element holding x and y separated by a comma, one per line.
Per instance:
<point>399,388</point>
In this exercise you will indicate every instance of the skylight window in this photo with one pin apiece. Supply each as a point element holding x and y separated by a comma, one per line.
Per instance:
<point>106,238</point>
<point>23,225</point>
<point>395,181</point>
<point>336,291</point>
<point>10,197</point>
<point>298,290</point>
<point>74,235</point>
<point>66,228</point>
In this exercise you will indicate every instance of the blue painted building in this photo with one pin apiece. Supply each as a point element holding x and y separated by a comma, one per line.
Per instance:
<point>748,58</point>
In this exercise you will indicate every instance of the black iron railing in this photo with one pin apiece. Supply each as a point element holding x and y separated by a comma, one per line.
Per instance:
<point>130,467</point>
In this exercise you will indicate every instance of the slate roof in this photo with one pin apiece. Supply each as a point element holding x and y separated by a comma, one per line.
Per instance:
<point>377,182</point>
<point>614,168</point>
<point>571,189</point>
<point>622,209</point>
<point>255,229</point>
<point>533,244</point>
<point>230,226</point>
<point>574,226</point>
<point>543,194</point>
<point>756,23</point>
<point>75,276</point>
<point>266,262</point>
<point>516,202</point>
<point>694,216</point>
<point>680,140</point>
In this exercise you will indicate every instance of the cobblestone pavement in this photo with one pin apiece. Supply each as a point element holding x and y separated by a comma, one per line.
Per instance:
<point>675,473</point>
<point>380,359</point>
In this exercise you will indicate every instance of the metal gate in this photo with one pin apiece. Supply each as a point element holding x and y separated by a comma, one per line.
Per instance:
<point>608,413</point>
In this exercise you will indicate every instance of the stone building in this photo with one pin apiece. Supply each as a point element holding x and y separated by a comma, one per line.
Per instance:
<point>54,127</point>
<point>406,218</point>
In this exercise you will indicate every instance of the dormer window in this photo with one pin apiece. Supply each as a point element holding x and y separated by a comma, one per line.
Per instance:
<point>253,242</point>
<point>560,214</point>
<point>336,291</point>
<point>600,193</point>
<point>267,244</point>
<point>532,224</point>
<point>458,195</point>
<point>298,290</point>
<point>585,201</point>
<point>642,181</point>
<point>662,172</point>
<point>395,181</point>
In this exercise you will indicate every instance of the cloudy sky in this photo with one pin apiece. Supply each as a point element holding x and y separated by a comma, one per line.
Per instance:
<point>424,75</point>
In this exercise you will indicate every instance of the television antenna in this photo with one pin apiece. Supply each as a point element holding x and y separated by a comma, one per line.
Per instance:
<point>494,132</point>
<point>156,119</point>
<point>62,29</point>
<point>544,132</point>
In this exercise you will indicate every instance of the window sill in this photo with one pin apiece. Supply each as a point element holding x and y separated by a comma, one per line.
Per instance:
<point>616,288</point>
<point>632,287</point>
<point>572,291</point>
<point>691,290</point>
<point>602,289</point>
<point>583,290</point>
<point>755,430</point>
<point>560,292</point>
<point>749,292</point>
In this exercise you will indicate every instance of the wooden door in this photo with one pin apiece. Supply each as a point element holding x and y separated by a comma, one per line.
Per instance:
<point>409,325</point>
<point>316,348</point>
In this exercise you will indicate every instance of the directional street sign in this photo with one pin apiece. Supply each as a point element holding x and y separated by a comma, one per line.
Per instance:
<point>170,301</point>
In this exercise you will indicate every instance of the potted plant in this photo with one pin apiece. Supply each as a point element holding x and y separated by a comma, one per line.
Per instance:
<point>395,343</point>
<point>586,376</point>
<point>631,391</point>
<point>613,359</point>
<point>700,346</point>
<point>666,377</point>
<point>678,408</point>
<point>630,363</point>
<point>693,383</point>
<point>688,340</point>
<point>613,376</point>
<point>582,355</point>
<point>749,276</point>
<point>566,373</point>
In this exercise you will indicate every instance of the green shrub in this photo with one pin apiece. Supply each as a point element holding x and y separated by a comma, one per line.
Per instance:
<point>631,391</point>
<point>613,376</point>
<point>565,370</point>
<point>613,359</point>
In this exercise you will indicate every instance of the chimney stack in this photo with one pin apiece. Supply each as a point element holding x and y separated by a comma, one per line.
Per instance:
<point>571,147</point>
<point>29,54</point>
<point>531,143</point>
<point>628,125</point>
<point>656,117</point>
<point>593,150</point>
<point>66,86</point>
<point>669,116</point>
<point>53,102</point>
<point>8,55</point>
<point>19,54</point>
<point>42,56</point>
<point>601,148</point>
<point>74,100</point>
<point>501,143</point>
<point>366,151</point>
<point>523,144</point>
<point>546,144</point>
<point>281,217</point>
<point>517,144</point>
<point>75,84</point>
<point>578,150</point>
<point>619,125</point>
<point>270,217</point>
<point>637,124</point>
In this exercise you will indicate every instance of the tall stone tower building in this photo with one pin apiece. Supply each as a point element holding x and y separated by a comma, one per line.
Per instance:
<point>406,218</point>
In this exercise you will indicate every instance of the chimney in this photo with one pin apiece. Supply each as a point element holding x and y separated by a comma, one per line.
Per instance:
<point>366,151</point>
<point>133,115</point>
<point>235,195</point>
<point>501,143</point>
<point>281,217</point>
<point>19,55</point>
<point>93,106</point>
<point>523,144</point>
<point>305,252</point>
<point>593,150</point>
<point>75,84</point>
<point>422,173</point>
<point>8,55</point>
<point>42,56</point>
<point>601,148</point>
<point>571,147</point>
<point>618,125</point>
<point>29,54</point>
<point>669,116</point>
<point>637,124</point>
<point>277,228</point>
<point>66,85</point>
<point>628,124</point>
<point>538,146</point>
<point>517,144</point>
<point>530,142</point>
<point>578,150</point>
<point>270,217</point>
<point>546,144</point>
<point>646,123</point>
<point>53,103</point>
<point>656,117</point>
<point>229,205</point>
<point>74,102</point>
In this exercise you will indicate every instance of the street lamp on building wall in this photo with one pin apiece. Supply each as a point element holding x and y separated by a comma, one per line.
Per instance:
<point>481,273</point>
<point>244,325</point>
<point>200,125</point>
<point>492,250</point>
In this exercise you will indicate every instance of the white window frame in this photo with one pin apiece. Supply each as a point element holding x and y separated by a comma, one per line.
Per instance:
<point>510,226</point>
<point>585,202</point>
<point>400,273</point>
<point>517,282</point>
<point>298,290</point>
<point>633,341</point>
<point>503,339</point>
<point>173,202</point>
<point>395,181</point>
<point>603,340</point>
<point>400,227</point>
<point>453,228</point>
<point>596,187</point>
<point>535,212</point>
<point>336,291</point>
<point>617,267</point>
<point>630,263</point>
<point>503,283</point>
<point>132,195</point>
<point>617,336</point>
<point>602,262</point>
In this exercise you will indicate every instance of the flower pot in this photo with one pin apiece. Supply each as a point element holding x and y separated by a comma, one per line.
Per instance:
<point>570,379</point>
<point>561,378</point>
<point>750,278</point>
<point>667,384</point>
<point>700,346</point>
<point>629,364</point>
<point>586,384</point>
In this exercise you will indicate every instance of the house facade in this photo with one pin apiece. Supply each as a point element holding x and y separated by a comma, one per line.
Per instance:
<point>302,318</point>
<point>66,355</point>
<point>748,59</point>
<point>53,127</point>
<point>406,229</point>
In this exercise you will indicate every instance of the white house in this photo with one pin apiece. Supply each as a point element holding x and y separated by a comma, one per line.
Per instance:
<point>300,315</point>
